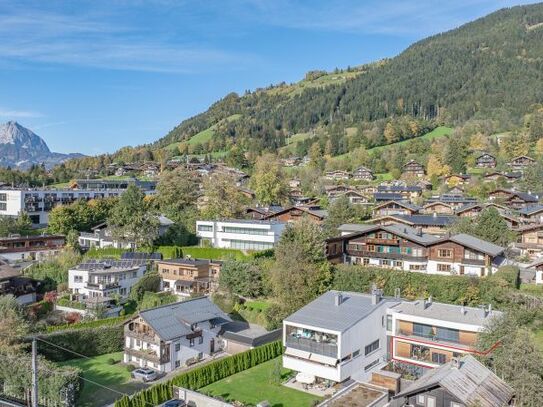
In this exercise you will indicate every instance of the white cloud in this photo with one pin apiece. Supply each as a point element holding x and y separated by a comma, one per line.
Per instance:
<point>18,114</point>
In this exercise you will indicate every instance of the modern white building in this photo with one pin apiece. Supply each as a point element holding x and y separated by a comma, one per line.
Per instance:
<point>337,336</point>
<point>240,234</point>
<point>174,335</point>
<point>105,278</point>
<point>38,202</point>
<point>346,335</point>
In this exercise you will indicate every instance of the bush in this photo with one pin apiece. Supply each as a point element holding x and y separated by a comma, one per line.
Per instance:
<point>511,274</point>
<point>115,321</point>
<point>130,368</point>
<point>86,341</point>
<point>204,375</point>
<point>111,361</point>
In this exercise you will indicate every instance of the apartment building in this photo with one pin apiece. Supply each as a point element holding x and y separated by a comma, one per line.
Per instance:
<point>337,336</point>
<point>347,335</point>
<point>409,249</point>
<point>174,335</point>
<point>184,277</point>
<point>240,234</point>
<point>38,202</point>
<point>427,334</point>
<point>36,247</point>
<point>105,278</point>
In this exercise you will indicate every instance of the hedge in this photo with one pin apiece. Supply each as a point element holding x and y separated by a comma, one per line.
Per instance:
<point>85,341</point>
<point>173,252</point>
<point>114,321</point>
<point>465,290</point>
<point>203,376</point>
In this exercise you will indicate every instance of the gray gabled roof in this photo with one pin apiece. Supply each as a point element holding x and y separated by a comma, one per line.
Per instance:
<point>469,381</point>
<point>403,231</point>
<point>323,313</point>
<point>530,210</point>
<point>174,320</point>
<point>426,220</point>
<point>477,244</point>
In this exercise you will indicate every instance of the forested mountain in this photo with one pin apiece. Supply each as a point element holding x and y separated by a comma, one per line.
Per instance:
<point>489,68</point>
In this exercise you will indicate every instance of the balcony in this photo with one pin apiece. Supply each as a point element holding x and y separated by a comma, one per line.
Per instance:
<point>460,343</point>
<point>312,346</point>
<point>382,255</point>
<point>148,355</point>
<point>103,286</point>
<point>378,241</point>
<point>142,336</point>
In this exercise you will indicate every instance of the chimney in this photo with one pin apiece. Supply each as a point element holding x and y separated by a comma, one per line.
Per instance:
<point>375,295</point>
<point>428,302</point>
<point>338,299</point>
<point>455,363</point>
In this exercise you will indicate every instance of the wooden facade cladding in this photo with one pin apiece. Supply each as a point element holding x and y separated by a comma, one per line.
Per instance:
<point>450,252</point>
<point>182,271</point>
<point>465,338</point>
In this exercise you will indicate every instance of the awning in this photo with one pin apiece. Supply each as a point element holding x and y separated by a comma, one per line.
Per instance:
<point>323,359</point>
<point>305,378</point>
<point>298,353</point>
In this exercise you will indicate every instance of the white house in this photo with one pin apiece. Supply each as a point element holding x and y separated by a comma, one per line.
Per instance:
<point>240,234</point>
<point>105,278</point>
<point>174,335</point>
<point>336,336</point>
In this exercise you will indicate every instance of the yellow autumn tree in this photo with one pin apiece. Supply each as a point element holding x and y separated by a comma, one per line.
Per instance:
<point>436,167</point>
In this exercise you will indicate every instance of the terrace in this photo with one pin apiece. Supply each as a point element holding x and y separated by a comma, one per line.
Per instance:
<point>311,341</point>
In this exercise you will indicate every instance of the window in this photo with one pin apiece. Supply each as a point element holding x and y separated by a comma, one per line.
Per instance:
<point>356,353</point>
<point>421,399</point>
<point>78,279</point>
<point>201,340</point>
<point>365,261</point>
<point>455,404</point>
<point>439,358</point>
<point>249,245</point>
<point>444,253</point>
<point>446,268</point>
<point>205,228</point>
<point>398,264</point>
<point>177,363</point>
<point>447,334</point>
<point>3,197</point>
<point>417,267</point>
<point>3,206</point>
<point>372,347</point>
<point>389,322</point>
<point>430,401</point>
<point>372,364</point>
<point>384,262</point>
<point>425,331</point>
<point>191,342</point>
<point>177,347</point>
<point>245,231</point>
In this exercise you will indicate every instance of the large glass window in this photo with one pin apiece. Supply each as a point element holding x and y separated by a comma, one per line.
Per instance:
<point>249,245</point>
<point>447,334</point>
<point>425,331</point>
<point>205,228</point>
<point>371,347</point>
<point>244,231</point>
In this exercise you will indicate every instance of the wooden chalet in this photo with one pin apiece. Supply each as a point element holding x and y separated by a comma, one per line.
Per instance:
<point>485,160</point>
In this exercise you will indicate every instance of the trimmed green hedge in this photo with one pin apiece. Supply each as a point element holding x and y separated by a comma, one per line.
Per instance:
<point>466,290</point>
<point>86,341</point>
<point>174,252</point>
<point>203,376</point>
<point>114,321</point>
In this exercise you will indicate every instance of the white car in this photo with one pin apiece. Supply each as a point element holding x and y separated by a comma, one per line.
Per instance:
<point>145,374</point>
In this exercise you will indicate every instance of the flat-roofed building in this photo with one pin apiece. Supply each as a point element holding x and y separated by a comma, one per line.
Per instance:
<point>240,234</point>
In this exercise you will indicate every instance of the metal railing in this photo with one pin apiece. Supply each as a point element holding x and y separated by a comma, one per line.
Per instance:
<point>310,345</point>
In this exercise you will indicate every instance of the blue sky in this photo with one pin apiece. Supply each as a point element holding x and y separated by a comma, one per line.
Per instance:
<point>93,76</point>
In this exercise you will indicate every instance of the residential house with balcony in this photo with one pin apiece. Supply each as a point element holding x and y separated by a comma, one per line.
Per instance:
<point>337,336</point>
<point>434,224</point>
<point>174,335</point>
<point>380,197</point>
<point>363,174</point>
<point>312,212</point>
<point>240,234</point>
<point>530,240</point>
<point>105,278</point>
<point>485,160</point>
<point>507,176</point>
<point>408,192</point>
<point>521,162</point>
<point>427,334</point>
<point>413,169</point>
<point>462,382</point>
<point>36,247</point>
<point>457,179</point>
<point>532,214</point>
<point>337,175</point>
<point>395,208</point>
<point>513,199</point>
<point>440,208</point>
<point>454,200</point>
<point>186,277</point>
<point>464,254</point>
<point>354,197</point>
<point>14,283</point>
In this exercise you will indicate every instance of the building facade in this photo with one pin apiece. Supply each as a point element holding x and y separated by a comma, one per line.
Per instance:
<point>240,234</point>
<point>185,277</point>
<point>35,247</point>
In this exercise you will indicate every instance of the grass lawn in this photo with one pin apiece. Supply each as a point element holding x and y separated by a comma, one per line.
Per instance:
<point>254,385</point>
<point>261,305</point>
<point>213,253</point>
<point>98,370</point>
<point>436,133</point>
<point>387,176</point>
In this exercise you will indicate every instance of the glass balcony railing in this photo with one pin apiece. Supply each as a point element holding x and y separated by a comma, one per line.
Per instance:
<point>312,346</point>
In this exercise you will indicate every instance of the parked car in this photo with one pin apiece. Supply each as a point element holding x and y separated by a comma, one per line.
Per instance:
<point>174,403</point>
<point>144,374</point>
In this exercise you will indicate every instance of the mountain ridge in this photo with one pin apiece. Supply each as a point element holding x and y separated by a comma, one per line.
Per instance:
<point>20,147</point>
